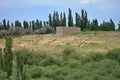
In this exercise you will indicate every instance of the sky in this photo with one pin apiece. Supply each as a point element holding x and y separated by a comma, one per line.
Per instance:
<point>39,9</point>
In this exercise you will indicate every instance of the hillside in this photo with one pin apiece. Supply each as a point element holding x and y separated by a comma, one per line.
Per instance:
<point>80,56</point>
<point>83,41</point>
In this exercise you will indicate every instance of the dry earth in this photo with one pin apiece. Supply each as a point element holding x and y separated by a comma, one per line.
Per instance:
<point>84,42</point>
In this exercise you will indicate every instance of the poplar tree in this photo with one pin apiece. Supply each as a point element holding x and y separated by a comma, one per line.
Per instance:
<point>50,20</point>
<point>1,59</point>
<point>119,25</point>
<point>37,24</point>
<point>84,20</point>
<point>18,23</point>
<point>112,25</point>
<point>70,18</point>
<point>77,19</point>
<point>64,19</point>
<point>8,56</point>
<point>8,25</point>
<point>94,25</point>
<point>4,24</point>
<point>25,24</point>
<point>21,71</point>
<point>33,25</point>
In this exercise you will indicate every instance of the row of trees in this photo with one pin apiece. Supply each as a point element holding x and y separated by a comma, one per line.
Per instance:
<point>57,19</point>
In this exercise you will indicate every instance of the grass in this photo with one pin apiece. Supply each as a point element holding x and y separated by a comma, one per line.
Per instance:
<point>71,65</point>
<point>101,42</point>
<point>49,57</point>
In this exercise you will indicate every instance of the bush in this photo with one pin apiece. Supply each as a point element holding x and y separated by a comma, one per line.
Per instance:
<point>3,75</point>
<point>68,50</point>
<point>44,30</point>
<point>36,72</point>
<point>114,54</point>
<point>92,57</point>
<point>32,58</point>
<point>73,63</point>
<point>49,60</point>
<point>4,33</point>
<point>16,31</point>
<point>21,31</point>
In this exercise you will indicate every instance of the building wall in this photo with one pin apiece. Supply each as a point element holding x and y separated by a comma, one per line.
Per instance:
<point>63,31</point>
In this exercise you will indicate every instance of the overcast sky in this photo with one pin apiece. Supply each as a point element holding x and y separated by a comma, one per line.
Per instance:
<point>39,9</point>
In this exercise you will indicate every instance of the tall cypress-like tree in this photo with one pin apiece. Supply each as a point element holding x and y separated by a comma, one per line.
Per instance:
<point>25,24</point>
<point>77,19</point>
<point>1,26</point>
<point>94,25</point>
<point>50,20</point>
<point>33,25</point>
<point>64,19</point>
<point>30,25</point>
<point>70,18</point>
<point>37,24</point>
<point>119,25</point>
<point>1,59</point>
<point>4,24</point>
<point>61,19</point>
<point>8,56</point>
<point>12,25</point>
<point>20,67</point>
<point>84,20</point>
<point>112,25</point>
<point>18,23</point>
<point>8,25</point>
<point>40,24</point>
<point>57,19</point>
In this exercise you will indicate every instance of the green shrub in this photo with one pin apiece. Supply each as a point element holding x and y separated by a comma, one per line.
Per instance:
<point>67,51</point>
<point>73,63</point>
<point>1,59</point>
<point>58,61</point>
<point>114,54</point>
<point>36,72</point>
<point>96,56</point>
<point>3,75</point>
<point>32,58</point>
<point>92,57</point>
<point>49,60</point>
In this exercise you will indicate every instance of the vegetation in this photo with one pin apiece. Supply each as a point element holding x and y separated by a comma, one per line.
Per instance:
<point>8,57</point>
<point>57,19</point>
<point>89,55</point>
<point>69,65</point>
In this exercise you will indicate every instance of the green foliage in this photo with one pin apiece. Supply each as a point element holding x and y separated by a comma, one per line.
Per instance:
<point>67,51</point>
<point>92,57</point>
<point>18,23</point>
<point>1,59</point>
<point>36,72</point>
<point>3,75</point>
<point>90,66</point>
<point>84,19</point>
<point>77,19</point>
<point>21,73</point>
<point>119,26</point>
<point>70,18</point>
<point>114,54</point>
<point>8,56</point>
